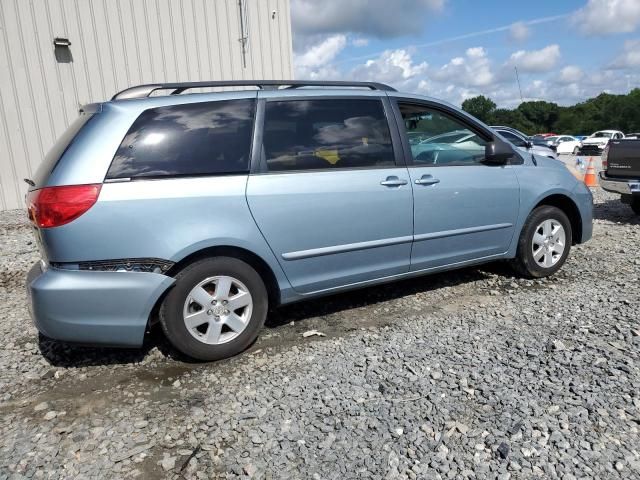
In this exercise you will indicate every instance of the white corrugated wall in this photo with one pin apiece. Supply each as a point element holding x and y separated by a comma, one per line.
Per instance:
<point>116,44</point>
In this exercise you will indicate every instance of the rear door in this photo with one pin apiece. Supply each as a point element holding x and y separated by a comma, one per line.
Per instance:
<point>464,208</point>
<point>330,192</point>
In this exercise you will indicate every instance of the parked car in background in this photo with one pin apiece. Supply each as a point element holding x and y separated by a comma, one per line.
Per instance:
<point>621,171</point>
<point>580,137</point>
<point>203,211</point>
<point>536,141</point>
<point>632,135</point>
<point>566,144</point>
<point>524,143</point>
<point>594,144</point>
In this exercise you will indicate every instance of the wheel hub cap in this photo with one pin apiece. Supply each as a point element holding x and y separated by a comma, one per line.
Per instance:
<point>548,243</point>
<point>217,310</point>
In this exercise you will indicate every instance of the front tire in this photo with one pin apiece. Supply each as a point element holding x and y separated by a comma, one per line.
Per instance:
<point>215,309</point>
<point>544,243</point>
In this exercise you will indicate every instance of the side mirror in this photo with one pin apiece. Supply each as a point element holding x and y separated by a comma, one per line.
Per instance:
<point>498,152</point>
<point>528,144</point>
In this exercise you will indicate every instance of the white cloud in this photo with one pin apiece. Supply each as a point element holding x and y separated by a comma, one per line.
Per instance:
<point>472,70</point>
<point>570,74</point>
<point>536,60</point>
<point>601,17</point>
<point>519,32</point>
<point>630,56</point>
<point>360,42</point>
<point>322,52</point>
<point>395,67</point>
<point>315,63</point>
<point>378,18</point>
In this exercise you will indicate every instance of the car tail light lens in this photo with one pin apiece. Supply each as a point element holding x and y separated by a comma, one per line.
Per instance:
<point>55,206</point>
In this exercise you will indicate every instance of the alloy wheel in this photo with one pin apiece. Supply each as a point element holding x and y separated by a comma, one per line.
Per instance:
<point>217,310</point>
<point>548,243</point>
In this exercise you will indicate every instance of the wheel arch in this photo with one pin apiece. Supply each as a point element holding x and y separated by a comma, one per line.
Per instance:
<point>570,209</point>
<point>254,260</point>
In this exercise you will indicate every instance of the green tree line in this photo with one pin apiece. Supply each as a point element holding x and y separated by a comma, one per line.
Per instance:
<point>606,111</point>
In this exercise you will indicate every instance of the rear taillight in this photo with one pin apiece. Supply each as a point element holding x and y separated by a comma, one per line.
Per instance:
<point>605,157</point>
<point>55,206</point>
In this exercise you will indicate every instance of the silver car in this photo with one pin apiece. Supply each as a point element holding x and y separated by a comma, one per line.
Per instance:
<point>524,143</point>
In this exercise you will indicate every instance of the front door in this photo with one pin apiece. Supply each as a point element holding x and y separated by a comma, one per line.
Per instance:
<point>464,209</point>
<point>332,198</point>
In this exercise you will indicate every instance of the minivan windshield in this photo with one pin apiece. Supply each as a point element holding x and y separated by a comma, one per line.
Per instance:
<point>53,157</point>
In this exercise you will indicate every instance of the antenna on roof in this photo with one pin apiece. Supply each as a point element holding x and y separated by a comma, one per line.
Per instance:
<point>518,80</point>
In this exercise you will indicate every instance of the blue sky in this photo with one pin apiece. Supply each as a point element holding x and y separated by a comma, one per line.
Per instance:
<point>565,51</point>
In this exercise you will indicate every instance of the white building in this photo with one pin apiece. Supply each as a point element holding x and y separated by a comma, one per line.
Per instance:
<point>56,55</point>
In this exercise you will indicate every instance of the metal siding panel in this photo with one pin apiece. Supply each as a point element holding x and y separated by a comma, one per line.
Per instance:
<point>9,193</point>
<point>262,12</point>
<point>203,45</point>
<point>79,68</point>
<point>190,38</point>
<point>225,12</point>
<point>150,16</point>
<point>117,55</point>
<point>142,33</point>
<point>116,44</point>
<point>215,28</point>
<point>129,39</point>
<point>92,54</point>
<point>284,39</point>
<point>107,70</point>
<point>52,85</point>
<point>254,67</point>
<point>17,104</point>
<point>73,85</point>
<point>167,39</point>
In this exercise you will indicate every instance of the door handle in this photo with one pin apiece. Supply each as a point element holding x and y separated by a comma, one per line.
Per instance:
<point>427,180</point>
<point>393,181</point>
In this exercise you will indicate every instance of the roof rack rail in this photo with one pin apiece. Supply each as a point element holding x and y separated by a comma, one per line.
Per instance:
<point>141,91</point>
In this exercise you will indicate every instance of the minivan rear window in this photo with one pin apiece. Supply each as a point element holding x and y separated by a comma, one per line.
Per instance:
<point>209,138</point>
<point>55,154</point>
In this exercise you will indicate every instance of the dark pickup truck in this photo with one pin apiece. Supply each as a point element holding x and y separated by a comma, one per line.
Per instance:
<point>621,171</point>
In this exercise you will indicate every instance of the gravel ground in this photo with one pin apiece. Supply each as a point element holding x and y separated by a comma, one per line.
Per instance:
<point>469,374</point>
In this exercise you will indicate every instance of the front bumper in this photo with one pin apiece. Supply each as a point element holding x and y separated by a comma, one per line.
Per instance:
<point>584,201</point>
<point>592,149</point>
<point>622,186</point>
<point>95,308</point>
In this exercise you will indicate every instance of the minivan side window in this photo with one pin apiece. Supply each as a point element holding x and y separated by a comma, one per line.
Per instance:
<point>438,139</point>
<point>326,134</point>
<point>209,138</point>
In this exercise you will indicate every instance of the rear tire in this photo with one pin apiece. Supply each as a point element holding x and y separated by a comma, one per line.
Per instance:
<point>544,243</point>
<point>198,315</point>
<point>635,204</point>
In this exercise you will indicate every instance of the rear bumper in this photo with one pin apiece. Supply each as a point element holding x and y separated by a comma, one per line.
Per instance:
<point>622,186</point>
<point>95,308</point>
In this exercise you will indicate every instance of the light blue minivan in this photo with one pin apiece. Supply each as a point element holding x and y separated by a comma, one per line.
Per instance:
<point>202,211</point>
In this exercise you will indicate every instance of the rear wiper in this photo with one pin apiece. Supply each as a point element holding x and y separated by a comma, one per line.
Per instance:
<point>30,182</point>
